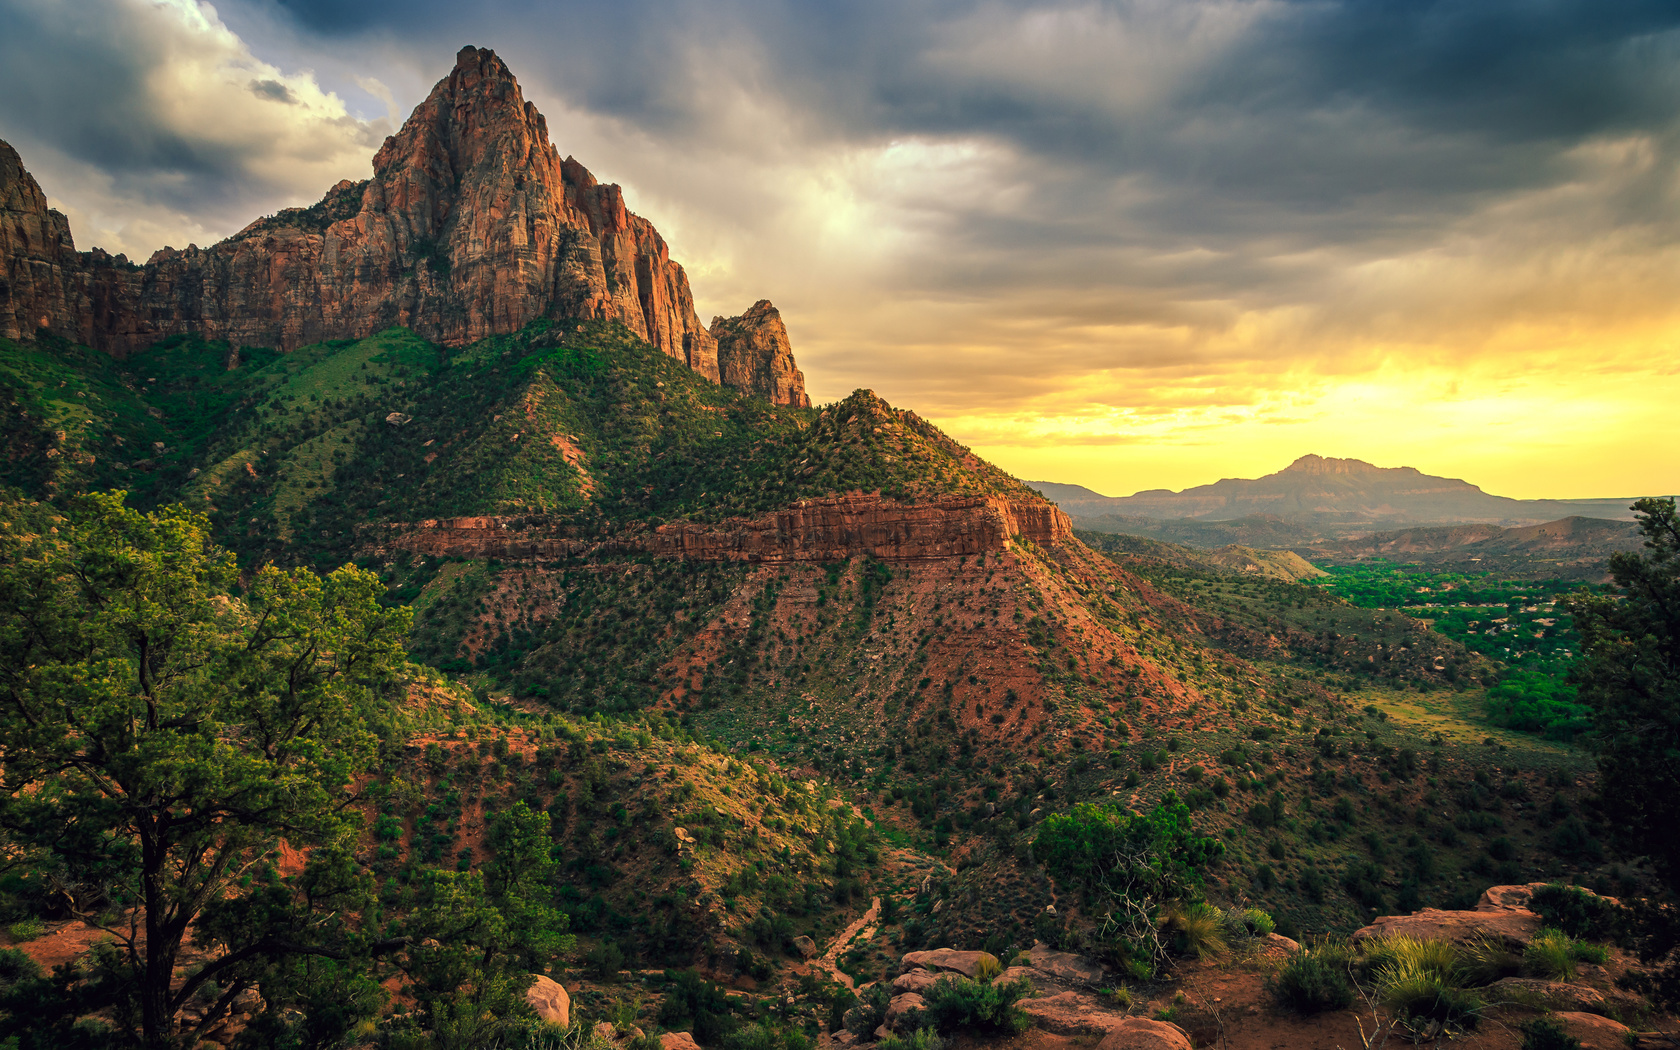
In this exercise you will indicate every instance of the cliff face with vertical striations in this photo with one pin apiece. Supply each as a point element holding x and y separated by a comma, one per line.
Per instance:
<point>818,530</point>
<point>754,354</point>
<point>472,225</point>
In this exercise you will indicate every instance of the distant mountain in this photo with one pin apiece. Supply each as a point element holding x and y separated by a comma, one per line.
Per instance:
<point>1316,491</point>
<point>1570,548</point>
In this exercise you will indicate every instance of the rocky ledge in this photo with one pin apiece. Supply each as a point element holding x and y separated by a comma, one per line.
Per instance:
<point>816,530</point>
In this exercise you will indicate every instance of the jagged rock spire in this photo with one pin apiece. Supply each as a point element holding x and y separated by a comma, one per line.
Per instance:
<point>472,225</point>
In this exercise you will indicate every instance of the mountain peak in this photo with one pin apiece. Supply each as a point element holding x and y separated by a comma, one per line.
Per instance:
<point>1315,464</point>
<point>471,226</point>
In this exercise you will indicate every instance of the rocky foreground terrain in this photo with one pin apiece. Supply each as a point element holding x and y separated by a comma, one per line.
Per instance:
<point>1074,1001</point>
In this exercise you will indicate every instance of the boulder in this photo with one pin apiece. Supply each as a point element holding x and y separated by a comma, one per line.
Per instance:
<point>917,981</point>
<point>807,947</point>
<point>1554,995</point>
<point>549,999</point>
<point>1500,898</point>
<point>606,1031</point>
<point>1016,973</point>
<point>948,960</point>
<point>1142,1033</point>
<point>678,1041</point>
<point>904,1012</point>
<point>1513,926</point>
<point>1594,1032</point>
<point>1070,1013</point>
<point>1275,945</point>
<point>1065,966</point>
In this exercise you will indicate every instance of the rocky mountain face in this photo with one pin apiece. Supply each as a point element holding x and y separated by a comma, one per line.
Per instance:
<point>472,225</point>
<point>1323,491</point>
<point>818,530</point>
<point>754,354</point>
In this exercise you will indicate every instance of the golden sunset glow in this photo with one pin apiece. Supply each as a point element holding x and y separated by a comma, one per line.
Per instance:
<point>1121,245</point>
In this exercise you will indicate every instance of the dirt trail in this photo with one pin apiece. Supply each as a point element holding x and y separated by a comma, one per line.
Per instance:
<point>830,960</point>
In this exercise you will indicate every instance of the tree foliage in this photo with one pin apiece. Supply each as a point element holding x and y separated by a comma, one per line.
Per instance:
<point>159,736</point>
<point>1629,674</point>
<point>1129,865</point>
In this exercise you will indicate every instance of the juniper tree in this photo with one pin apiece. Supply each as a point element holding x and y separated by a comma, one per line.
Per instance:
<point>161,732</point>
<point>1629,675</point>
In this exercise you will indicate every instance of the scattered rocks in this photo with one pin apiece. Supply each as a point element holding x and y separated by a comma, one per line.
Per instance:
<point>948,960</point>
<point>1070,1013</point>
<point>549,999</point>
<point>917,981</point>
<point>1275,945</point>
<point>1065,966</point>
<point>1500,898</point>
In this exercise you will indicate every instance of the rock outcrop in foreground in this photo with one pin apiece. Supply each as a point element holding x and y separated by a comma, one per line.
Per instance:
<point>472,225</point>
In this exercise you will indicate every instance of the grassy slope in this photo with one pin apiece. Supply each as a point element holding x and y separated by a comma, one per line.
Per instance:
<point>965,698</point>
<point>588,427</point>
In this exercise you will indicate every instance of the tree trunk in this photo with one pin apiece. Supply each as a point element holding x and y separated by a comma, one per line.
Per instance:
<point>157,1018</point>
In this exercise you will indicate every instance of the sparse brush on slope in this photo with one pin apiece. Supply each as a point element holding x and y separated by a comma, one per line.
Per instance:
<point>1313,980</point>
<point>1421,981</point>
<point>955,1002</point>
<point>1195,929</point>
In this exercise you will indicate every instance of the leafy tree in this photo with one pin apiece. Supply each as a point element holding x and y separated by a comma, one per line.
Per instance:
<point>1629,674</point>
<point>1537,703</point>
<point>520,882</point>
<point>465,964</point>
<point>159,736</point>
<point>1129,865</point>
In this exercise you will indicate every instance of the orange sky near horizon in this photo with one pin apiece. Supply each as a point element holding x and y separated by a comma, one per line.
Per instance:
<point>1125,245</point>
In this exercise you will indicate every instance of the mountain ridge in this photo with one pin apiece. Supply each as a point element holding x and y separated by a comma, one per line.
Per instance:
<point>472,225</point>
<point>1318,490</point>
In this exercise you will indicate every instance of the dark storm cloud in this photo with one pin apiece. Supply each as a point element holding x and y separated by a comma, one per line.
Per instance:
<point>274,91</point>
<point>1301,122</point>
<point>1167,163</point>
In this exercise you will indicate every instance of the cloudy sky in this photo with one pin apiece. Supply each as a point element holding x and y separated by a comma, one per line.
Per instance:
<point>1132,244</point>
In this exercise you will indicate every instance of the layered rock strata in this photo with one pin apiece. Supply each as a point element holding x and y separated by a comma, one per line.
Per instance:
<point>754,354</point>
<point>472,225</point>
<point>818,530</point>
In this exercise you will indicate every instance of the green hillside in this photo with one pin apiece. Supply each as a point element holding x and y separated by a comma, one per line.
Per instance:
<point>585,425</point>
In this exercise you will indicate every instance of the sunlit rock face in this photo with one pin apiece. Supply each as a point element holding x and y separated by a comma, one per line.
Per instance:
<point>472,225</point>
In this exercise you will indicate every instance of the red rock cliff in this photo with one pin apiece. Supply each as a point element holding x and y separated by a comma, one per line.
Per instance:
<point>754,354</point>
<point>471,225</point>
<point>817,530</point>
